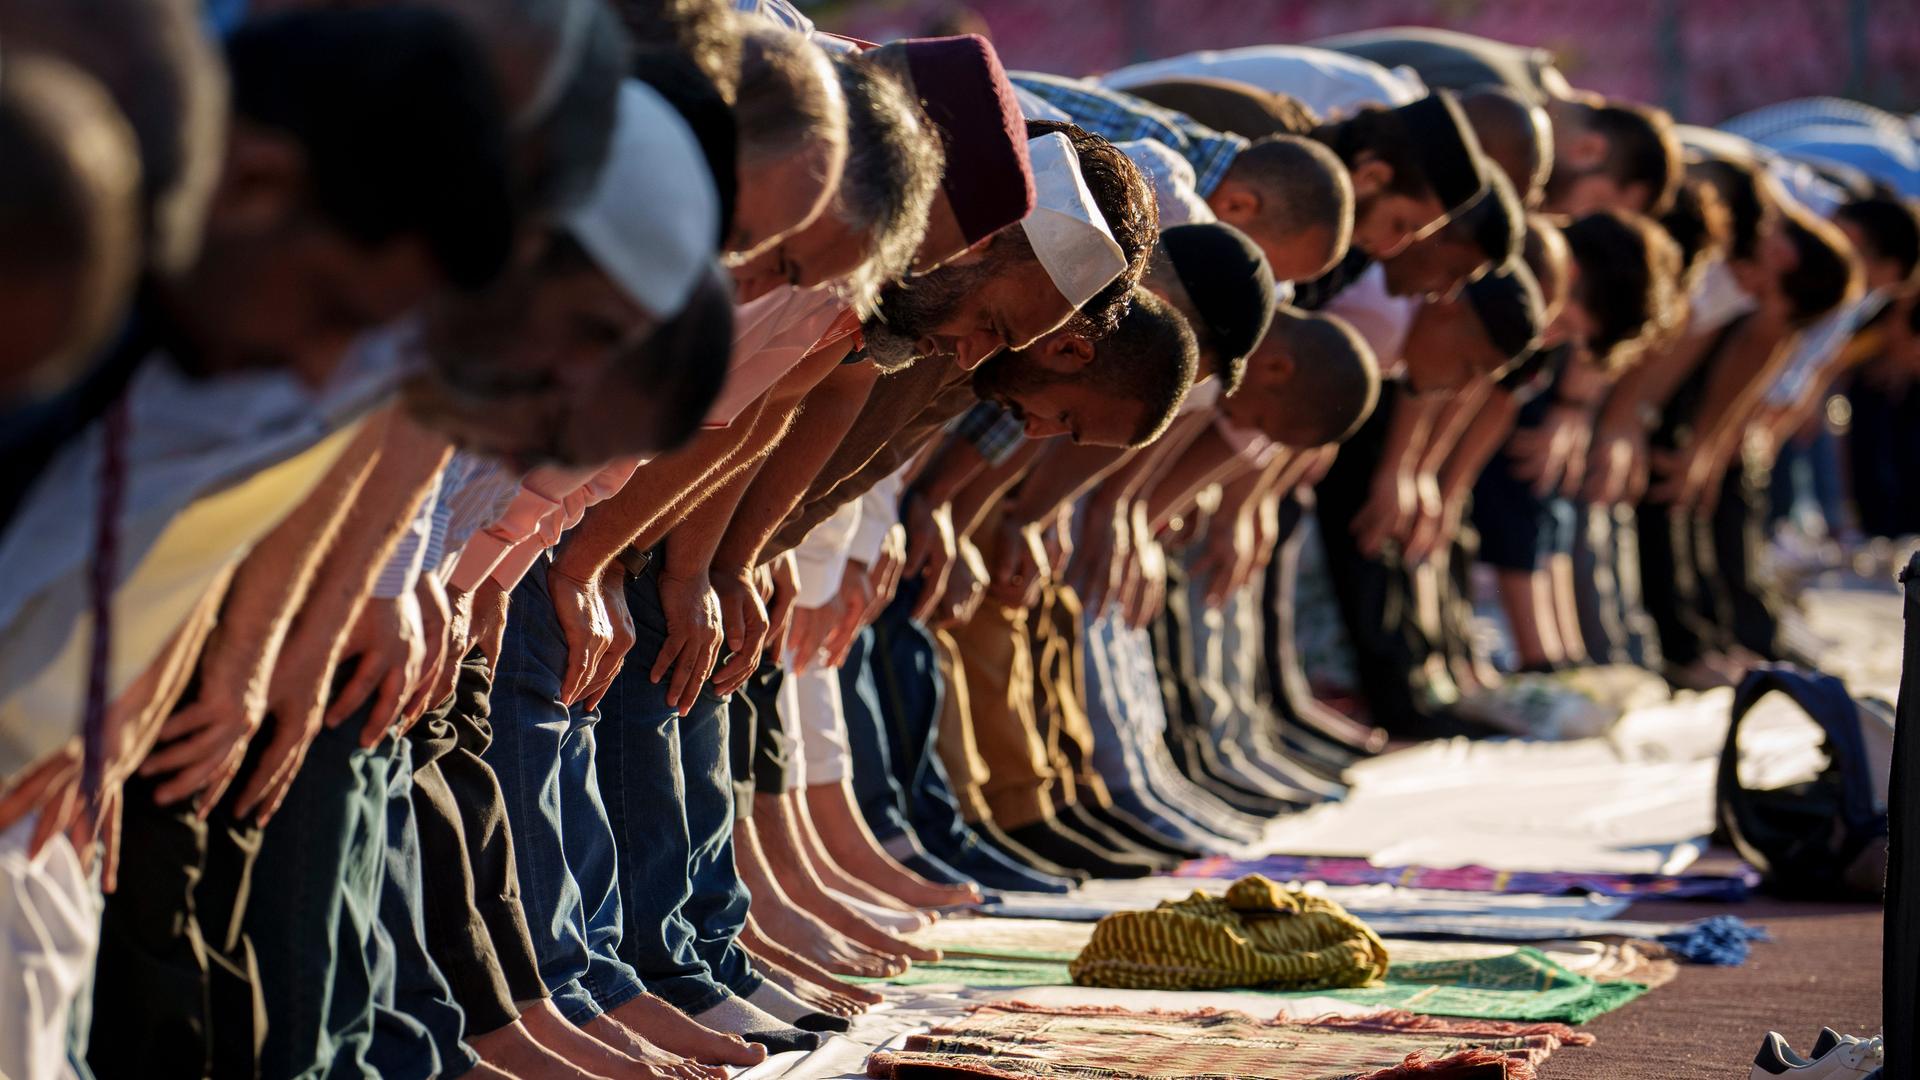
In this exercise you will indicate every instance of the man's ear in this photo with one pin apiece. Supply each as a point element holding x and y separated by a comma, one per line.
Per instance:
<point>1586,150</point>
<point>1371,176</point>
<point>1235,202</point>
<point>262,181</point>
<point>1277,364</point>
<point>1064,352</point>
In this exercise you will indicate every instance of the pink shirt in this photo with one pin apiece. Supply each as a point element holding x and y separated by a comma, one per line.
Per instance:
<point>551,501</point>
<point>770,337</point>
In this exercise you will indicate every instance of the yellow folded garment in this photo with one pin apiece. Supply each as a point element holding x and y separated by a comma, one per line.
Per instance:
<point>1259,935</point>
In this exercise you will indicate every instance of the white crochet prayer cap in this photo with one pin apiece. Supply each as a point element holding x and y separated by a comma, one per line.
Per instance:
<point>1066,229</point>
<point>652,223</point>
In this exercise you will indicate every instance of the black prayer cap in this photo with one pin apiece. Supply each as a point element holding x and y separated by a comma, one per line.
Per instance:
<point>1448,151</point>
<point>1510,308</point>
<point>1227,277</point>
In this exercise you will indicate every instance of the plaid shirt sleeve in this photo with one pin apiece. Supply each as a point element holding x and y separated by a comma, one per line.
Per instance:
<point>992,430</point>
<point>1120,117</point>
<point>780,12</point>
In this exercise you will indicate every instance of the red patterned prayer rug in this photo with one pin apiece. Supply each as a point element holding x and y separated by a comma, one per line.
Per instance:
<point>1011,1041</point>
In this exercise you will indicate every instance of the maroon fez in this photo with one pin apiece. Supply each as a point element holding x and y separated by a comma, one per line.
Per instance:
<point>966,94</point>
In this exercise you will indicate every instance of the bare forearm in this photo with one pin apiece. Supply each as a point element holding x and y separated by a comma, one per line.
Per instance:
<point>1653,381</point>
<point>1240,493</point>
<point>1210,459</point>
<point>694,542</point>
<point>1491,425</point>
<point>1161,457</point>
<point>272,582</point>
<point>782,479</point>
<point>1061,472</point>
<point>1407,436</point>
<point>410,460</point>
<point>661,491</point>
<point>949,470</point>
<point>971,507</point>
<point>1452,423</point>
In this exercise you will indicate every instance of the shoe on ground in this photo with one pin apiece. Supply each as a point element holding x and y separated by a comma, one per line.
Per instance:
<point>1058,842</point>
<point>1109,838</point>
<point>1123,824</point>
<point>1843,1059</point>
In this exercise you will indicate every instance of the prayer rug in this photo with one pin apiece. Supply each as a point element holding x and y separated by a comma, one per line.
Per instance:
<point>1522,985</point>
<point>1018,1041</point>
<point>1337,871</point>
<point>1512,984</point>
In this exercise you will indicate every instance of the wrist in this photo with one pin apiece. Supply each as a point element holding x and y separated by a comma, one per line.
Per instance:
<point>574,563</point>
<point>574,572</point>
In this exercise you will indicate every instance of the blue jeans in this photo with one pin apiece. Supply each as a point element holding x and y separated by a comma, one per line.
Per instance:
<point>543,754</point>
<point>416,1025</point>
<point>315,892</point>
<point>669,802</point>
<point>911,692</point>
<point>875,789</point>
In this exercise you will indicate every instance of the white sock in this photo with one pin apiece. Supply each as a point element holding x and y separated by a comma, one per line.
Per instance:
<point>776,1002</point>
<point>738,1016</point>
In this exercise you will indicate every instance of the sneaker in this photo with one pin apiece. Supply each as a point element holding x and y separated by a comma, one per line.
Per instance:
<point>1843,1058</point>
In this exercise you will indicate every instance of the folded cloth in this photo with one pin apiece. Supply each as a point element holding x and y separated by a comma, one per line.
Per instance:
<point>1261,934</point>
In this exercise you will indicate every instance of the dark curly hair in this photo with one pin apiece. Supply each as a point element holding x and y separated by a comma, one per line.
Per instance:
<point>1629,281</point>
<point>1825,271</point>
<point>1700,223</point>
<point>1891,226</point>
<point>1750,210</point>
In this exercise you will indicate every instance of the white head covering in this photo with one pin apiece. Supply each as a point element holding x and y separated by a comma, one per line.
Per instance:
<point>653,220</point>
<point>1066,228</point>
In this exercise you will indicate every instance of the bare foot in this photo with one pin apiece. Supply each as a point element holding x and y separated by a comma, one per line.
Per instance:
<point>515,1052</point>
<point>777,855</point>
<point>807,969</point>
<point>632,1056</point>
<point>485,1071</point>
<point>836,878</point>
<point>854,848</point>
<point>786,921</point>
<point>815,997</point>
<point>822,944</point>
<point>891,918</point>
<point>677,1033</point>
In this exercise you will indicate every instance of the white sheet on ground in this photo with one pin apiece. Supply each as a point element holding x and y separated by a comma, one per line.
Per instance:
<point>1638,800</point>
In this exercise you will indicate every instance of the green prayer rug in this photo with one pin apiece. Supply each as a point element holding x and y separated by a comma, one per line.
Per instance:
<point>1522,985</point>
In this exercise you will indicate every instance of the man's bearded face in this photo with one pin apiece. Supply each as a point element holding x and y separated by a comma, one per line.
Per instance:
<point>912,312</point>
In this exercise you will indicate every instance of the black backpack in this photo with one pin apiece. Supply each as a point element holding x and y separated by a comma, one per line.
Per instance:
<point>1823,838</point>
